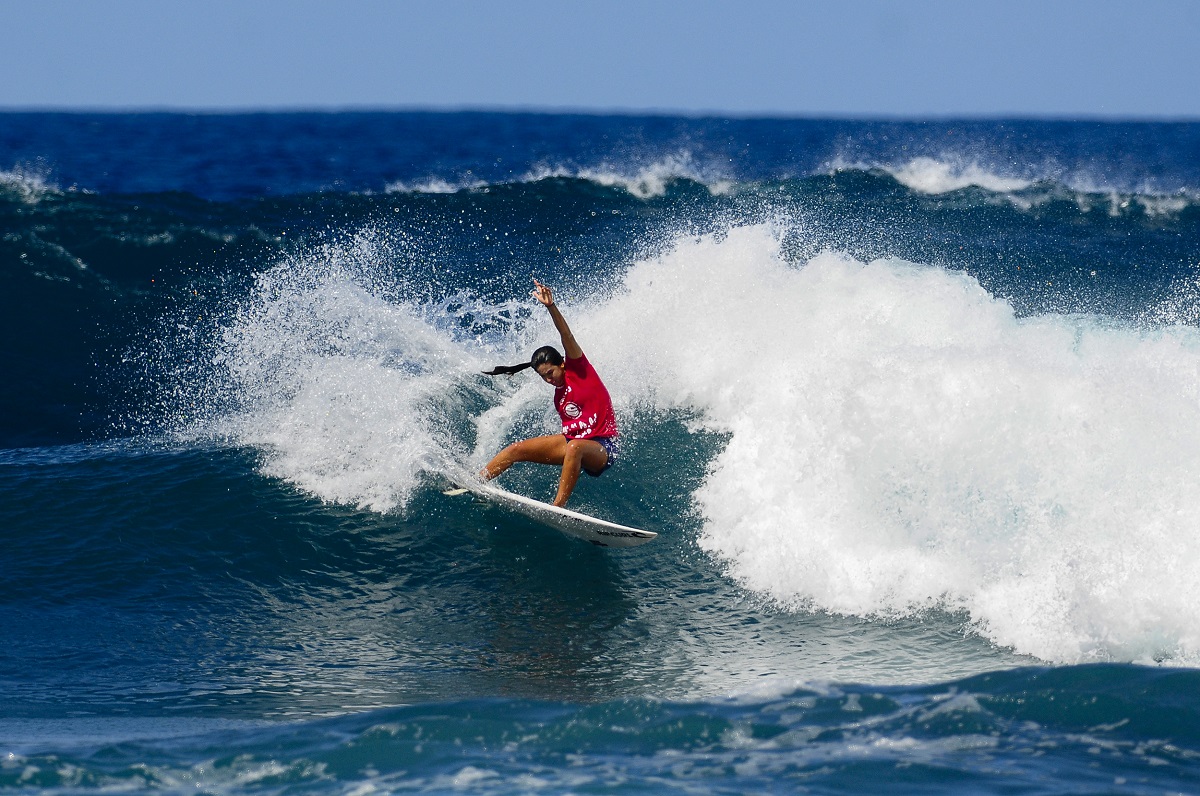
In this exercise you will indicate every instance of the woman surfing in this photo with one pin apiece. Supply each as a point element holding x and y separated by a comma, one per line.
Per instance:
<point>588,441</point>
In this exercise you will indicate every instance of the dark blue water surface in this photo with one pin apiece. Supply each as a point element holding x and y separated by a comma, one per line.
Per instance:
<point>912,405</point>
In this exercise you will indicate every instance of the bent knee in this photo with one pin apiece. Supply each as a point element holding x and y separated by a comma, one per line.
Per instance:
<point>576,447</point>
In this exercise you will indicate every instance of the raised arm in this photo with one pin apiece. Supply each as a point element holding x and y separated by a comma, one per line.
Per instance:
<point>570,347</point>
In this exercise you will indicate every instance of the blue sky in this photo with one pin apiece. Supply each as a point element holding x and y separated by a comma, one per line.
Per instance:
<point>1059,58</point>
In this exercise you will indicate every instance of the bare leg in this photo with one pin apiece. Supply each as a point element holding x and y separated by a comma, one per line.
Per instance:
<point>551,449</point>
<point>579,453</point>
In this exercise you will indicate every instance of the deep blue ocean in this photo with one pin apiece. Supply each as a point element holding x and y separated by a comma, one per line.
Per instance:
<point>913,406</point>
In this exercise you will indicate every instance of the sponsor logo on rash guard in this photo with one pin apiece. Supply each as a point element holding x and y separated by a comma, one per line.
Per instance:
<point>579,427</point>
<point>572,410</point>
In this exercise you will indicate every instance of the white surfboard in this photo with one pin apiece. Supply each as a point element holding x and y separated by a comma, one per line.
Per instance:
<point>597,531</point>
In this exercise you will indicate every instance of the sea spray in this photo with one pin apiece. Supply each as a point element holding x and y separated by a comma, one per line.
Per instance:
<point>350,393</point>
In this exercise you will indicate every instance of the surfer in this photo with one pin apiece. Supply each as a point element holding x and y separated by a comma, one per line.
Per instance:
<point>588,441</point>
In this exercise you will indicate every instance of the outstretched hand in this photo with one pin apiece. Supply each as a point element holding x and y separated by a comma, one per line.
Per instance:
<point>543,294</point>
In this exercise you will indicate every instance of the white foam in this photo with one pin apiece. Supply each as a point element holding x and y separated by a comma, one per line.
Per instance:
<point>29,183</point>
<point>434,185</point>
<point>1168,206</point>
<point>899,440</point>
<point>1091,191</point>
<point>948,173</point>
<point>937,176</point>
<point>644,182</point>
<point>1116,204</point>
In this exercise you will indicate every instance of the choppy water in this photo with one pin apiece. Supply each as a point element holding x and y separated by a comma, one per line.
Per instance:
<point>914,407</point>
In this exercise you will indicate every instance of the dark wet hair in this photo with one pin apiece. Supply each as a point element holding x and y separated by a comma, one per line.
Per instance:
<point>547,354</point>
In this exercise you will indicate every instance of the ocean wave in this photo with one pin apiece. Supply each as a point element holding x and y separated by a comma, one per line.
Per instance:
<point>900,441</point>
<point>938,176</point>
<point>28,184</point>
<point>923,176</point>
<point>645,181</point>
<point>438,185</point>
<point>933,176</point>
<point>1115,204</point>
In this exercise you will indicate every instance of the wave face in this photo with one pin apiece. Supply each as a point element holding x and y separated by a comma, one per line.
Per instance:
<point>913,406</point>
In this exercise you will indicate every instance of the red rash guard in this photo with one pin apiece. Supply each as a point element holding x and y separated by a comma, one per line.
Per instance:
<point>583,402</point>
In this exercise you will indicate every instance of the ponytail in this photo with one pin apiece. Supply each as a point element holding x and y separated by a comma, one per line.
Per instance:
<point>506,370</point>
<point>545,354</point>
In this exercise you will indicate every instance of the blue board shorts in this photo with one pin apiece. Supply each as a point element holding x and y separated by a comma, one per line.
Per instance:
<point>611,445</point>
